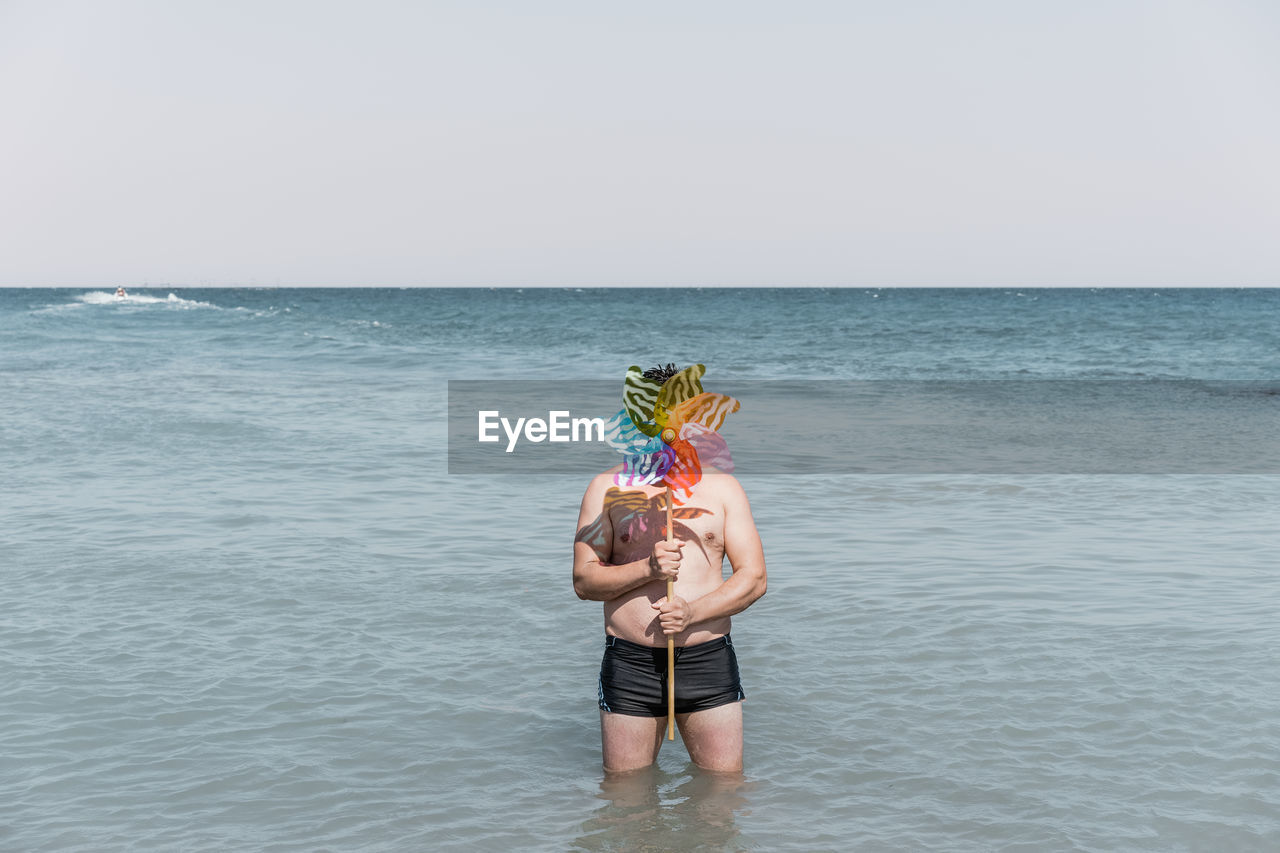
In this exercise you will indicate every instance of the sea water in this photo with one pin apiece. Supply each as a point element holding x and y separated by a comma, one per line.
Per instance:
<point>243,605</point>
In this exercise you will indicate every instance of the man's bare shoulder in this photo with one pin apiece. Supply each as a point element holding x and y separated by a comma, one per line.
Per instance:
<point>605,478</point>
<point>720,483</point>
<point>601,483</point>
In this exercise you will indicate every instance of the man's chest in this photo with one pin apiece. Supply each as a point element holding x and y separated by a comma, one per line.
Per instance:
<point>639,520</point>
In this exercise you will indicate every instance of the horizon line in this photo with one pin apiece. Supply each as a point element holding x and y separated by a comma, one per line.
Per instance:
<point>145,285</point>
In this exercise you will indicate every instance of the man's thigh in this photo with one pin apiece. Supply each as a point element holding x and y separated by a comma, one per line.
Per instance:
<point>714,736</point>
<point>630,743</point>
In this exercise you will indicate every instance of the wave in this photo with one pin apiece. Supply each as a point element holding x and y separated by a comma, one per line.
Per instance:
<point>100,297</point>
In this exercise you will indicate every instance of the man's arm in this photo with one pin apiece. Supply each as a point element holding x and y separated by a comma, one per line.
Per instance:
<point>594,578</point>
<point>746,557</point>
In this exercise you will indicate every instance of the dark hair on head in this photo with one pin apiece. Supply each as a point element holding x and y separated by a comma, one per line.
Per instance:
<point>660,373</point>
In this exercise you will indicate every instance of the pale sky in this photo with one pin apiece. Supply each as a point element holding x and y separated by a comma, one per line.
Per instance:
<point>680,143</point>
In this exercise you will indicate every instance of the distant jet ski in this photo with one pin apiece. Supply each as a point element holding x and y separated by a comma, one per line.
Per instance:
<point>120,294</point>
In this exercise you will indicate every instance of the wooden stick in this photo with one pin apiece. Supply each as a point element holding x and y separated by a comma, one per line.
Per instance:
<point>671,638</point>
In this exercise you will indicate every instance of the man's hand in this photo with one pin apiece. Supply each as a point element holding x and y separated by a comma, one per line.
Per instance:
<point>664,562</point>
<point>675,615</point>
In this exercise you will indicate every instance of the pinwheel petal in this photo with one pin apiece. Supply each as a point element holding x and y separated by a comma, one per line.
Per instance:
<point>622,436</point>
<point>685,384</point>
<point>639,397</point>
<point>685,471</point>
<point>645,469</point>
<point>706,409</point>
<point>713,450</point>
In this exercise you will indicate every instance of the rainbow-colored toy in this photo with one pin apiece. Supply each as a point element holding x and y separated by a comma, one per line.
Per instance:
<point>667,432</point>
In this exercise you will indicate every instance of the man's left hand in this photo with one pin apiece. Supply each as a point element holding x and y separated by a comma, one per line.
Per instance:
<point>674,615</point>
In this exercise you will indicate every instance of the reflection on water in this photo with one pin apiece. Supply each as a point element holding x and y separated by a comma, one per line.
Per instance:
<point>654,810</point>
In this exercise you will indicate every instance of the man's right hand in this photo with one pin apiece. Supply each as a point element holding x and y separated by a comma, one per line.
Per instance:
<point>664,562</point>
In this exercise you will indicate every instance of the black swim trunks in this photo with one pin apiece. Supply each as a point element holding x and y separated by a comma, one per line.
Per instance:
<point>633,677</point>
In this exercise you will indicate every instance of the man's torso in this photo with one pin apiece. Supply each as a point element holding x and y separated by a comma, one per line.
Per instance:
<point>638,517</point>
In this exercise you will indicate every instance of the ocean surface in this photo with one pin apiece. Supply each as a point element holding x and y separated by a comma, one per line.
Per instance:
<point>244,607</point>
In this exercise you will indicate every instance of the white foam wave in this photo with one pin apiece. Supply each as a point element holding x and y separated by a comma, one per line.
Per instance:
<point>98,297</point>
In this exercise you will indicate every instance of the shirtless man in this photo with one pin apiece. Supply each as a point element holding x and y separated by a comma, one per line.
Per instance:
<point>621,557</point>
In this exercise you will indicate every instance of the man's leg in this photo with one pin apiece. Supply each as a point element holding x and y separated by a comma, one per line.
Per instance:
<point>713,737</point>
<point>630,743</point>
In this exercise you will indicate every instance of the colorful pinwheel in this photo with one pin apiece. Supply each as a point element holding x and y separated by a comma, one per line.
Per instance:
<point>667,432</point>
